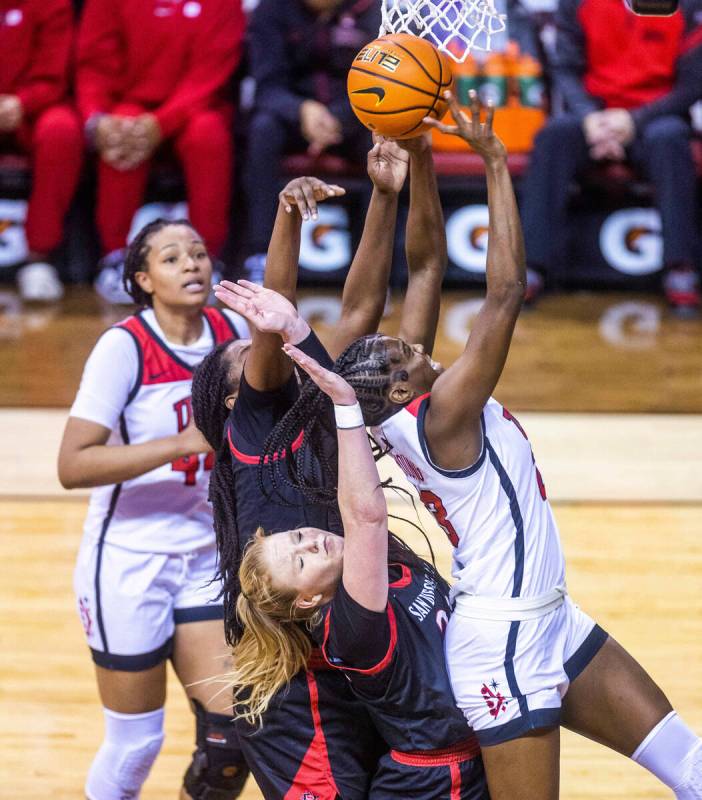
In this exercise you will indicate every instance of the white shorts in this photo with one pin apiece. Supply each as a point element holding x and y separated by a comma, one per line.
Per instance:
<point>130,602</point>
<point>510,677</point>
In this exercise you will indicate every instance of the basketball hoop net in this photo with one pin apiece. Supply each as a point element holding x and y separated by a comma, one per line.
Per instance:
<point>455,26</point>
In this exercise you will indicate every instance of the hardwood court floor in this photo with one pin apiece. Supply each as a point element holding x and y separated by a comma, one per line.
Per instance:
<point>626,489</point>
<point>637,568</point>
<point>577,352</point>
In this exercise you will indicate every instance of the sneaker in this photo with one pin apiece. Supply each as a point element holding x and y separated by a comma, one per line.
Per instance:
<point>108,283</point>
<point>682,290</point>
<point>534,287</point>
<point>39,282</point>
<point>255,268</point>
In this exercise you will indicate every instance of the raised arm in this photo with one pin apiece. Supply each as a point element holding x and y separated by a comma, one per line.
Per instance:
<point>425,248</point>
<point>452,424</point>
<point>266,366</point>
<point>361,499</point>
<point>366,284</point>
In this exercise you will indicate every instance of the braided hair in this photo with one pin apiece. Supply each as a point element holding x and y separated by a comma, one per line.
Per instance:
<point>212,384</point>
<point>137,253</point>
<point>367,365</point>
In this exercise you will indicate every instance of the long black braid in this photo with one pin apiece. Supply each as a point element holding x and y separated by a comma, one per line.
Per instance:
<point>212,384</point>
<point>368,367</point>
<point>135,259</point>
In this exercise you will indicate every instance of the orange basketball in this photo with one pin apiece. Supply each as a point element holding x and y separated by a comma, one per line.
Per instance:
<point>396,81</point>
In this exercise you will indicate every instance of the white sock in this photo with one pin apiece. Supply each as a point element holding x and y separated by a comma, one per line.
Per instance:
<point>673,753</point>
<point>125,758</point>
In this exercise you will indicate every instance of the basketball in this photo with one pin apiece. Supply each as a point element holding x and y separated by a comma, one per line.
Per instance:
<point>396,81</point>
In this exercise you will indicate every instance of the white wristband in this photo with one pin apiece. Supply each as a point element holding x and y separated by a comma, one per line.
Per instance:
<point>348,416</point>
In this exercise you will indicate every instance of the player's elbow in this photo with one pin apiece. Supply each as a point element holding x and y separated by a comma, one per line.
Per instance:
<point>68,474</point>
<point>508,293</point>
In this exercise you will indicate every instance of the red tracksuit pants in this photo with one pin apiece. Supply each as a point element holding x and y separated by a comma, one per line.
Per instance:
<point>204,149</point>
<point>54,142</point>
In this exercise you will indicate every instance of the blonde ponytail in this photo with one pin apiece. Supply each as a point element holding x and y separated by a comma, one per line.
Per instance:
<point>274,646</point>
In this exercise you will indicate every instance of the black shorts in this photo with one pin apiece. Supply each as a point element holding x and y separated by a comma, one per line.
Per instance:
<point>454,774</point>
<point>316,741</point>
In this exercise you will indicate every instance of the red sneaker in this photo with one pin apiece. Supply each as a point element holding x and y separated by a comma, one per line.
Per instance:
<point>682,290</point>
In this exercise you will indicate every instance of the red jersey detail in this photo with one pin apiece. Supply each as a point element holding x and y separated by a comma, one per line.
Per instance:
<point>159,366</point>
<point>381,665</point>
<point>413,407</point>
<point>315,773</point>
<point>247,459</point>
<point>692,40</point>
<point>455,782</point>
<point>221,327</point>
<point>404,580</point>
<point>630,60</point>
<point>448,756</point>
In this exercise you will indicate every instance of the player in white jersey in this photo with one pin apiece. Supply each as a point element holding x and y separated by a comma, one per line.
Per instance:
<point>522,657</point>
<point>144,577</point>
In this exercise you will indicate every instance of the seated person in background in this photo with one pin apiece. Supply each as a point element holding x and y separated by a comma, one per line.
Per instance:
<point>35,42</point>
<point>627,83</point>
<point>152,73</point>
<point>300,52</point>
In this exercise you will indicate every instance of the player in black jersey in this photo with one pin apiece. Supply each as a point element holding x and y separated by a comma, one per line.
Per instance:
<point>378,612</point>
<point>316,736</point>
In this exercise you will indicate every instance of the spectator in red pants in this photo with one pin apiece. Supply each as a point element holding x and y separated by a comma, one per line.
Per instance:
<point>627,82</point>
<point>35,42</point>
<point>151,73</point>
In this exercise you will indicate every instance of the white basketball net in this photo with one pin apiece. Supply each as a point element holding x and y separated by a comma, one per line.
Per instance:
<point>455,26</point>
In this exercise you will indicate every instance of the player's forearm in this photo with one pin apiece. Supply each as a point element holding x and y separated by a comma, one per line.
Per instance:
<point>425,248</point>
<point>361,497</point>
<point>101,465</point>
<point>284,253</point>
<point>425,236</point>
<point>364,292</point>
<point>506,262</point>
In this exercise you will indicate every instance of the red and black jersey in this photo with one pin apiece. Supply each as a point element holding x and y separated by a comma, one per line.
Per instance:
<point>316,741</point>
<point>395,660</point>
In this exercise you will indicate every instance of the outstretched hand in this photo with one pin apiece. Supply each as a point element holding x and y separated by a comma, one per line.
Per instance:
<point>333,385</point>
<point>305,193</point>
<point>387,165</point>
<point>266,310</point>
<point>480,136</point>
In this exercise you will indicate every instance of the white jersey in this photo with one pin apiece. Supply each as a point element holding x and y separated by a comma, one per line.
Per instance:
<point>495,512</point>
<point>139,386</point>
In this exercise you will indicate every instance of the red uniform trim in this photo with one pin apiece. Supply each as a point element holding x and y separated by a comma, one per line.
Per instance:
<point>404,580</point>
<point>448,756</point>
<point>692,40</point>
<point>315,773</point>
<point>317,662</point>
<point>455,781</point>
<point>413,407</point>
<point>222,327</point>
<point>381,665</point>
<point>247,459</point>
<point>159,364</point>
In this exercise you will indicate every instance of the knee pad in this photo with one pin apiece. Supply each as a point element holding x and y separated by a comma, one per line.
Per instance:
<point>125,758</point>
<point>218,770</point>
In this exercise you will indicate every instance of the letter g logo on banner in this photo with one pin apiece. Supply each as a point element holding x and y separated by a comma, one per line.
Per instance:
<point>630,241</point>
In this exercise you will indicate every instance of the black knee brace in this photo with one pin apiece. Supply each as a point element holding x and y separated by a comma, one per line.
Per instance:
<point>218,770</point>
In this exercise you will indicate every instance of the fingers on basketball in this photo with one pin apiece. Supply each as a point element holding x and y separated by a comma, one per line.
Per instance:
<point>395,82</point>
